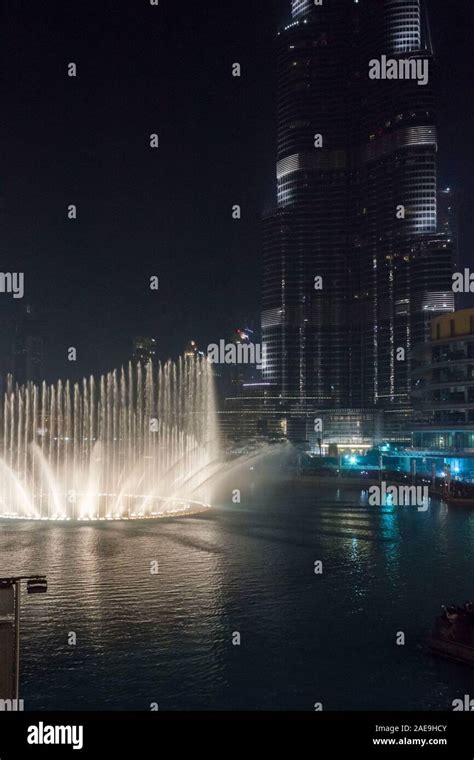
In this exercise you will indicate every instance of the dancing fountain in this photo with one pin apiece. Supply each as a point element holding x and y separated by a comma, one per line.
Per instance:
<point>138,443</point>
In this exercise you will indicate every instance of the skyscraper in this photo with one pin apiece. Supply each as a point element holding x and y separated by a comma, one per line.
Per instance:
<point>403,275</point>
<point>449,201</point>
<point>307,243</point>
<point>354,266</point>
<point>26,347</point>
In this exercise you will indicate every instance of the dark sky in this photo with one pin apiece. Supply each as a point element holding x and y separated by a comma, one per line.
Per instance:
<point>164,212</point>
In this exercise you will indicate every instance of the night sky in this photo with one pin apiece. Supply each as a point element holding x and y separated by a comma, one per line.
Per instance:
<point>164,212</point>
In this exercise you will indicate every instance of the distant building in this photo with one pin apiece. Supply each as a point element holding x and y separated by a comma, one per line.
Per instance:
<point>144,350</point>
<point>448,218</point>
<point>256,411</point>
<point>251,410</point>
<point>26,349</point>
<point>191,349</point>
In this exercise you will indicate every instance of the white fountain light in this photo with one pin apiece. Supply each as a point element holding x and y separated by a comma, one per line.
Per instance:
<point>136,444</point>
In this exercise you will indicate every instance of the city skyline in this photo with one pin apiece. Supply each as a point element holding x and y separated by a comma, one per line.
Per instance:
<point>237,368</point>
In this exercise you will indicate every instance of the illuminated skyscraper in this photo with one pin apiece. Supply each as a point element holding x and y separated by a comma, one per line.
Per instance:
<point>448,217</point>
<point>403,264</point>
<point>354,265</point>
<point>307,244</point>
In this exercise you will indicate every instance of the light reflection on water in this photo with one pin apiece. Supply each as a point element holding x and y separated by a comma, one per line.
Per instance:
<point>167,638</point>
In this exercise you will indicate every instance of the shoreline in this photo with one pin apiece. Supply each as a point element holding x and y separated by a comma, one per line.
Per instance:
<point>364,483</point>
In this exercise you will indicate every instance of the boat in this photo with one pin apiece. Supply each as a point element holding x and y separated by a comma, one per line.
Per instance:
<point>453,634</point>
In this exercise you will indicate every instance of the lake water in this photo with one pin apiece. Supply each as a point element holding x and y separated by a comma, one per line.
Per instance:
<point>246,568</point>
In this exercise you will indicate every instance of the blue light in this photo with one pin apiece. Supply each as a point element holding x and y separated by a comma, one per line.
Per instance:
<point>353,460</point>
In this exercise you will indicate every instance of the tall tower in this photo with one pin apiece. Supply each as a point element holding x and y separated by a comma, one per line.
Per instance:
<point>307,238</point>
<point>448,217</point>
<point>403,265</point>
<point>27,348</point>
<point>354,266</point>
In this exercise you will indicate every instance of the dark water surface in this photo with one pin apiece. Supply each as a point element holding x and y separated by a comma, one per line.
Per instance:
<point>246,568</point>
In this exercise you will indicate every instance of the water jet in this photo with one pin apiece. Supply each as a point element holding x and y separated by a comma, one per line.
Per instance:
<point>138,443</point>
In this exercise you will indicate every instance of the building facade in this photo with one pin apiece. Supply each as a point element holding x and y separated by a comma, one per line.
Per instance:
<point>26,355</point>
<point>443,385</point>
<point>306,247</point>
<point>355,265</point>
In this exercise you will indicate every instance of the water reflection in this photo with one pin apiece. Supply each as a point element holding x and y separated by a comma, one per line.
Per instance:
<point>248,568</point>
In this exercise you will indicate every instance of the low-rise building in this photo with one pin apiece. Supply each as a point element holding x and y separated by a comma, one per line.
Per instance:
<point>443,385</point>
